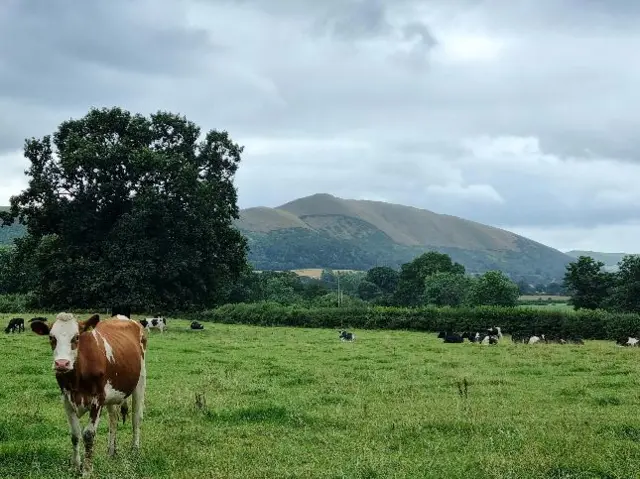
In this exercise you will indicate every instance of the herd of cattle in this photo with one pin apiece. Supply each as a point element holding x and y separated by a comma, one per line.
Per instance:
<point>101,364</point>
<point>494,334</point>
<point>16,325</point>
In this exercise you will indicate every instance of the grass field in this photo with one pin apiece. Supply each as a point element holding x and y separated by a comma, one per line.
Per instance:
<point>544,297</point>
<point>298,403</point>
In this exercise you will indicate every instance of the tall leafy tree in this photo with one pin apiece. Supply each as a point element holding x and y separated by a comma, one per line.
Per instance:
<point>369,291</point>
<point>411,283</point>
<point>587,283</point>
<point>625,290</point>
<point>494,288</point>
<point>131,209</point>
<point>447,289</point>
<point>383,277</point>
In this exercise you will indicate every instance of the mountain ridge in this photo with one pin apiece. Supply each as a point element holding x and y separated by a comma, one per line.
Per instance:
<point>356,234</point>
<point>325,231</point>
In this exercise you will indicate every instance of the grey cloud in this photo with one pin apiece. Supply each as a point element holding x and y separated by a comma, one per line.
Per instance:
<point>66,53</point>
<point>357,19</point>
<point>302,69</point>
<point>71,55</point>
<point>118,34</point>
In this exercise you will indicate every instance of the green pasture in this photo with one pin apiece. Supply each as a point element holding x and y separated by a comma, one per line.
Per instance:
<point>298,403</point>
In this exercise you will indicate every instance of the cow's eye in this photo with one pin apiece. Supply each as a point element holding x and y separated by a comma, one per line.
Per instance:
<point>52,340</point>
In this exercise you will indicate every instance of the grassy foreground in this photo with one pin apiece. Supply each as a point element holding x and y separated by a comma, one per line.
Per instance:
<point>285,403</point>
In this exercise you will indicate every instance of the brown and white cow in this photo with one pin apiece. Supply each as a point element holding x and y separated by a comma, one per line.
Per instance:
<point>97,364</point>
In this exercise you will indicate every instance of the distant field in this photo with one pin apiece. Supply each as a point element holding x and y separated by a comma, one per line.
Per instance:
<point>317,272</point>
<point>544,297</point>
<point>298,403</point>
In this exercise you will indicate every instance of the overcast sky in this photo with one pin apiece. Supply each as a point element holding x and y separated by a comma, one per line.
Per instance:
<point>524,114</point>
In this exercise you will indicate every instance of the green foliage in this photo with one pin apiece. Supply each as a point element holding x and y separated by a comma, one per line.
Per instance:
<point>10,232</point>
<point>447,289</point>
<point>13,303</point>
<point>587,283</point>
<point>128,209</point>
<point>297,248</point>
<point>369,291</point>
<point>625,289</point>
<point>494,288</point>
<point>334,299</point>
<point>284,287</point>
<point>384,277</point>
<point>411,283</point>
<point>589,324</point>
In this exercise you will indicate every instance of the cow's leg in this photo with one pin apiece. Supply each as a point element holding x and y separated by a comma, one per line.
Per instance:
<point>76,430</point>
<point>137,403</point>
<point>88,436</point>
<point>113,426</point>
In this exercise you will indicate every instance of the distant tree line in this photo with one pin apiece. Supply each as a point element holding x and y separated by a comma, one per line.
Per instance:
<point>592,287</point>
<point>430,279</point>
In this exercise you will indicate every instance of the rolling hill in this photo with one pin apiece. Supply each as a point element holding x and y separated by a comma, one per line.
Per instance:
<point>7,234</point>
<point>323,231</point>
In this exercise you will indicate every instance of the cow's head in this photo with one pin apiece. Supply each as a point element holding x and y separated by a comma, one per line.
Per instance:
<point>64,336</point>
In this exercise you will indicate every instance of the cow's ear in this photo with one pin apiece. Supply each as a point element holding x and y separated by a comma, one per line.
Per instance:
<point>41,328</point>
<point>89,323</point>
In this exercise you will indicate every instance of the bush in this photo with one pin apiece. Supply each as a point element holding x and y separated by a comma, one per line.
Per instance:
<point>588,324</point>
<point>17,303</point>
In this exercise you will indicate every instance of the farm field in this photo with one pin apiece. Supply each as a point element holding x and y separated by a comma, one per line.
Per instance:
<point>544,297</point>
<point>552,306</point>
<point>316,273</point>
<point>298,403</point>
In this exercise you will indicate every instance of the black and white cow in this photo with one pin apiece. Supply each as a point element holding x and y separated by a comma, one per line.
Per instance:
<point>346,336</point>
<point>628,341</point>
<point>472,336</point>
<point>450,337</point>
<point>196,325</point>
<point>157,322</point>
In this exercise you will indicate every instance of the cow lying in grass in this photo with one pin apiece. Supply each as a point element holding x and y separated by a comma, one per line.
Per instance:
<point>97,364</point>
<point>448,337</point>
<point>628,341</point>
<point>196,325</point>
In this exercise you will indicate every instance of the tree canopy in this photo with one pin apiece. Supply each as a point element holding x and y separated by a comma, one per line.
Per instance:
<point>411,283</point>
<point>587,283</point>
<point>494,288</point>
<point>447,289</point>
<point>122,208</point>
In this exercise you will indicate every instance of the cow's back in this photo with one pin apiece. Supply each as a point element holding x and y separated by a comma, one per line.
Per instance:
<point>123,343</point>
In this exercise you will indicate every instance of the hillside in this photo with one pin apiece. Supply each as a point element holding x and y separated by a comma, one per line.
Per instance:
<point>610,260</point>
<point>7,234</point>
<point>322,231</point>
